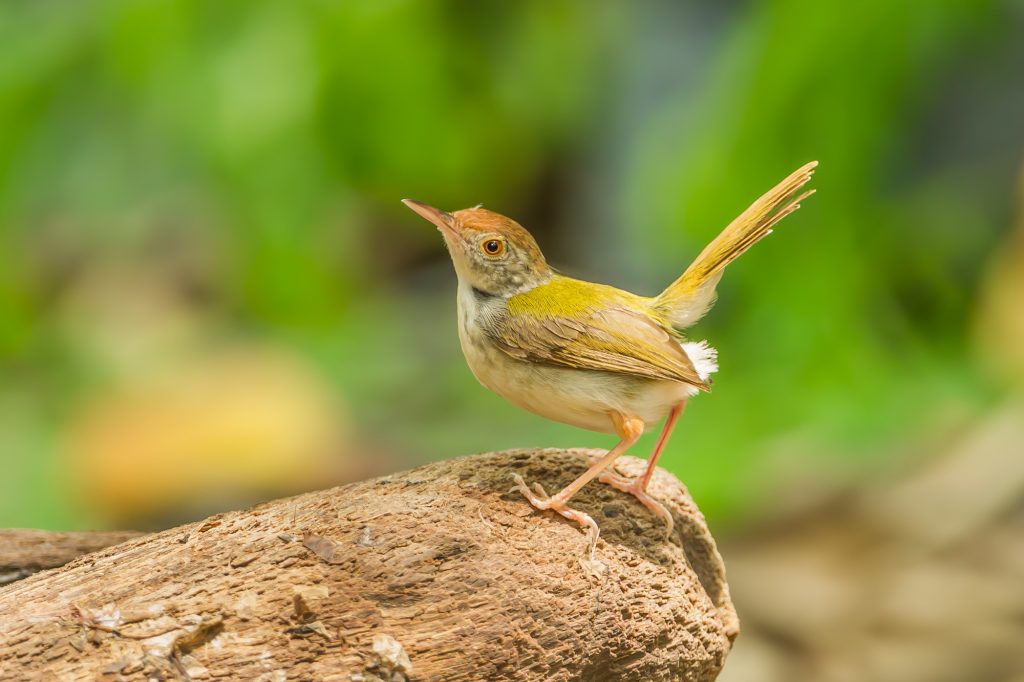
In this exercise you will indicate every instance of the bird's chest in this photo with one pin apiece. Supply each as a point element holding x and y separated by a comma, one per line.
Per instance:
<point>561,394</point>
<point>532,387</point>
<point>523,383</point>
<point>492,368</point>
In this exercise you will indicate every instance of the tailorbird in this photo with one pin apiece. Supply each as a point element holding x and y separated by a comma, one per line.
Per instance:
<point>588,354</point>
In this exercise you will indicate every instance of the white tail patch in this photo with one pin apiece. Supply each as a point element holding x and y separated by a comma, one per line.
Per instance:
<point>703,357</point>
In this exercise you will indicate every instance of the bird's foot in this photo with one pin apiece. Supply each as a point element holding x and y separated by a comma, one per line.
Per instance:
<point>539,498</point>
<point>634,487</point>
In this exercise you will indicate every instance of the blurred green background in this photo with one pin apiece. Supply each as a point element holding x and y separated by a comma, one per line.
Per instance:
<point>210,293</point>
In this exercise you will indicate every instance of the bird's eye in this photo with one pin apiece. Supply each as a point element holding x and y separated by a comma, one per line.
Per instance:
<point>493,247</point>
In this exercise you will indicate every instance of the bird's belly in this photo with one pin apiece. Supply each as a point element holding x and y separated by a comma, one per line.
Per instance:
<point>582,398</point>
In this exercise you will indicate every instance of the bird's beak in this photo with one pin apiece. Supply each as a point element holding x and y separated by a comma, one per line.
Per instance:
<point>444,221</point>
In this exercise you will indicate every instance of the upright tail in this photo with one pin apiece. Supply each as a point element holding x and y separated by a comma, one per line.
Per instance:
<point>687,299</point>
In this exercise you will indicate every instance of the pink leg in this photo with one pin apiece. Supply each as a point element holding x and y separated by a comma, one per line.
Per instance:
<point>630,429</point>
<point>666,431</point>
<point>638,486</point>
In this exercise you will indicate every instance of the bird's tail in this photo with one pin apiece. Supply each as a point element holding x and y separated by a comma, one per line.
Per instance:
<point>687,299</point>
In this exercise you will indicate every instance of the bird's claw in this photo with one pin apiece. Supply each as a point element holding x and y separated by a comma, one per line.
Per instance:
<point>537,497</point>
<point>544,502</point>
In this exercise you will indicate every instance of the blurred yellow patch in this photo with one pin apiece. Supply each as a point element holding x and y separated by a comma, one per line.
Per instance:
<point>230,426</point>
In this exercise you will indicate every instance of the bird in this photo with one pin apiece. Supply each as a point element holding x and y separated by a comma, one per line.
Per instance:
<point>589,354</point>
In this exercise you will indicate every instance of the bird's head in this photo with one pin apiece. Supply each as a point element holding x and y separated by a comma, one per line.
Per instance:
<point>493,254</point>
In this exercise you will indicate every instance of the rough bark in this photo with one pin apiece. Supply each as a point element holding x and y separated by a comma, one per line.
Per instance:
<point>24,552</point>
<point>439,573</point>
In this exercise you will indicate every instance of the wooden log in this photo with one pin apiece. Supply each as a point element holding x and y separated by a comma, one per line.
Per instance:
<point>439,573</point>
<point>24,552</point>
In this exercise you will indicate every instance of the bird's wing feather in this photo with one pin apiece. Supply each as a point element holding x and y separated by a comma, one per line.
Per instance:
<point>615,338</point>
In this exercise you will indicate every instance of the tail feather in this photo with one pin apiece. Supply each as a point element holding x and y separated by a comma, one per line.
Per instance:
<point>687,299</point>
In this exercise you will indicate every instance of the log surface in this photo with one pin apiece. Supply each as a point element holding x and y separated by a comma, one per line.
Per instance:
<point>24,551</point>
<point>439,573</point>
